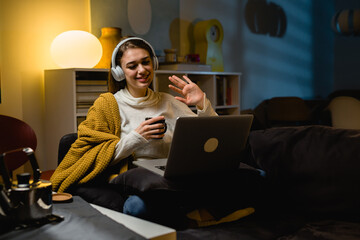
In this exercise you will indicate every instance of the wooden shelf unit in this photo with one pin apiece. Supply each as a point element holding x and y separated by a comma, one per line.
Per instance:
<point>64,108</point>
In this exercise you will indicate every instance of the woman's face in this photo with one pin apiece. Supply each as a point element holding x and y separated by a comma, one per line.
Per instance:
<point>139,72</point>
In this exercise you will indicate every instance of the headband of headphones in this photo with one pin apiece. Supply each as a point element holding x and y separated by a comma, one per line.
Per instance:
<point>116,70</point>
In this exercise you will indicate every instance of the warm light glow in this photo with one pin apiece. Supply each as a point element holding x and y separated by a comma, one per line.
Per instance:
<point>76,49</point>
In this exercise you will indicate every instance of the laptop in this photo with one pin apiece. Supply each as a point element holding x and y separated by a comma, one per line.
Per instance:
<point>203,145</point>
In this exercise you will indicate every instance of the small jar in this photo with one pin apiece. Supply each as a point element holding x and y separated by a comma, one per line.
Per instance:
<point>170,55</point>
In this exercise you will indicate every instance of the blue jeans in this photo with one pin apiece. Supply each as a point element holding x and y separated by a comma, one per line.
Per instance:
<point>262,172</point>
<point>135,206</point>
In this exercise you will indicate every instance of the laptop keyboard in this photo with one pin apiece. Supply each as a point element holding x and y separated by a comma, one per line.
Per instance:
<point>161,167</point>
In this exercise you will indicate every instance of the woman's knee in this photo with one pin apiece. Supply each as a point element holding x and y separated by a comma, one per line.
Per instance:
<point>135,206</point>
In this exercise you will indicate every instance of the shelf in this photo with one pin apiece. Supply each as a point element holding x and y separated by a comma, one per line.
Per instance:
<point>81,114</point>
<point>221,88</point>
<point>227,106</point>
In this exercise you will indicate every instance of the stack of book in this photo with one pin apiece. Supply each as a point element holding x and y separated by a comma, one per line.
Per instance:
<point>223,92</point>
<point>87,91</point>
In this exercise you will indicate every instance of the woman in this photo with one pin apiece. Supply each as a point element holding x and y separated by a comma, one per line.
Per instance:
<point>137,101</point>
<point>115,129</point>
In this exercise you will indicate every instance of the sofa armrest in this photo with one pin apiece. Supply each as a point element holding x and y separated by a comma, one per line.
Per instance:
<point>310,169</point>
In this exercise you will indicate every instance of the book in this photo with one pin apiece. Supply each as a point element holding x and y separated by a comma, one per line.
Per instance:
<point>220,96</point>
<point>91,82</point>
<point>91,88</point>
<point>228,95</point>
<point>83,105</point>
<point>82,110</point>
<point>87,97</point>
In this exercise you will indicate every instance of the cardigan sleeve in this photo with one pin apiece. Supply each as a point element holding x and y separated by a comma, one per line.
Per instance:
<point>92,152</point>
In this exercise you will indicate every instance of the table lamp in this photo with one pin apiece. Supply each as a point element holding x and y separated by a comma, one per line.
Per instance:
<point>76,49</point>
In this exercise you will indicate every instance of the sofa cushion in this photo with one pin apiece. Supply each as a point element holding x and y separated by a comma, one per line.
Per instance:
<point>310,169</point>
<point>102,195</point>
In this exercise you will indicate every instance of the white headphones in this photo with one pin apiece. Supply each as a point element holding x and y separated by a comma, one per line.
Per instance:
<point>116,70</point>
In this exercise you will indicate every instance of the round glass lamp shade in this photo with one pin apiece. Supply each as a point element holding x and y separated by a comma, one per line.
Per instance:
<point>76,49</point>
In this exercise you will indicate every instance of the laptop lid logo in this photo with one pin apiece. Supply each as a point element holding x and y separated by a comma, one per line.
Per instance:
<point>211,145</point>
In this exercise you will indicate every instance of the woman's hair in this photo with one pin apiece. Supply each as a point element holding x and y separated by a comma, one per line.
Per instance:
<point>114,85</point>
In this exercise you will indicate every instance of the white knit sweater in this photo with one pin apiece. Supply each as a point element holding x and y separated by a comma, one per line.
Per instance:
<point>133,111</point>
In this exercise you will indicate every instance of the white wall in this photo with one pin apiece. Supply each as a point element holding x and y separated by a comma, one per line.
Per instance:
<point>271,66</point>
<point>280,66</point>
<point>114,13</point>
<point>27,30</point>
<point>298,64</point>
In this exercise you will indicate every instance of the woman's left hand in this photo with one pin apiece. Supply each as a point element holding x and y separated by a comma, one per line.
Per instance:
<point>192,94</point>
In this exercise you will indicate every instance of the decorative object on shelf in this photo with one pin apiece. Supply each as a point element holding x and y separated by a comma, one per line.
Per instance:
<point>110,37</point>
<point>76,49</point>
<point>265,18</point>
<point>347,22</point>
<point>190,62</point>
<point>185,67</point>
<point>170,55</point>
<point>192,58</point>
<point>208,40</point>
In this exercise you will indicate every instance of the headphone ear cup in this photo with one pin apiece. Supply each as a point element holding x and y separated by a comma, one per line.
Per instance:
<point>118,73</point>
<point>156,63</point>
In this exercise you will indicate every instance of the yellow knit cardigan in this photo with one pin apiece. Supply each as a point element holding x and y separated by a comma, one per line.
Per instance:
<point>93,150</point>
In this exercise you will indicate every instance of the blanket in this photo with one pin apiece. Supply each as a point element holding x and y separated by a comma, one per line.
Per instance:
<point>93,150</point>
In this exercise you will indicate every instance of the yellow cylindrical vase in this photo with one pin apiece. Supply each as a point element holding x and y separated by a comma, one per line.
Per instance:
<point>110,37</point>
